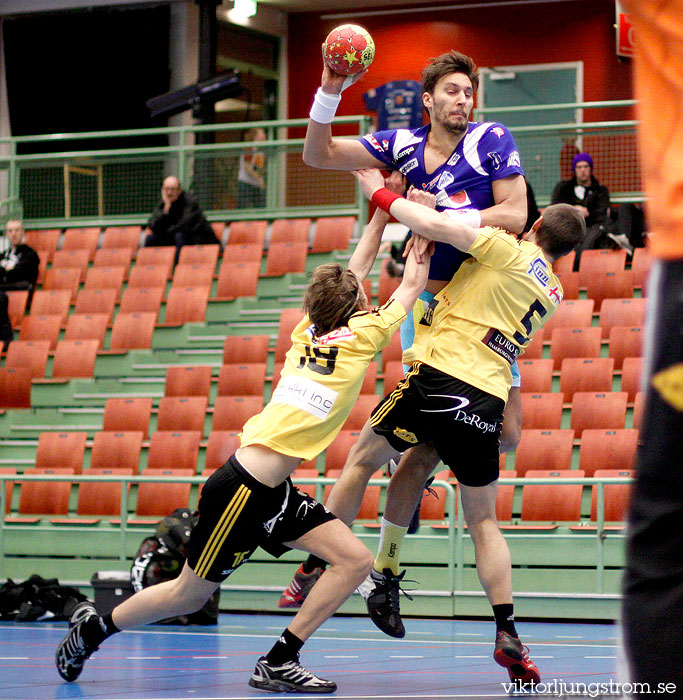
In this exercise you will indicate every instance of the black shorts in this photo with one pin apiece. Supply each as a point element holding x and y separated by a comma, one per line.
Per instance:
<point>237,514</point>
<point>462,421</point>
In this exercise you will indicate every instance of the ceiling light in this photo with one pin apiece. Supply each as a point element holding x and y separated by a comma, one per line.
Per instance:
<point>245,8</point>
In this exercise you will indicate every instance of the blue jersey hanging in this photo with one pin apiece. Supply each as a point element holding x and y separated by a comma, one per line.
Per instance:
<point>398,104</point>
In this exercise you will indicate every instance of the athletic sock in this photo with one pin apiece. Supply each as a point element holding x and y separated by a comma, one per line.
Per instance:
<point>285,649</point>
<point>96,629</point>
<point>505,618</point>
<point>312,563</point>
<point>390,541</point>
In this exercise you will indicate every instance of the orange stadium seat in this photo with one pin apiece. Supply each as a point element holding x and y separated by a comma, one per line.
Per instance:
<point>289,319</point>
<point>187,380</point>
<point>74,358</point>
<point>15,388</point>
<point>45,240</point>
<point>544,449</point>
<point>640,266</point>
<point>598,261</point>
<point>609,285</point>
<point>290,231</point>
<point>286,257</point>
<point>536,375</point>
<point>142,299</point>
<point>564,264</point>
<point>105,278</point>
<point>605,410</point>
<point>219,448</point>
<point>28,354</point>
<point>586,374</point>
<point>87,327</point>
<point>387,285</point>
<point>173,449</point>
<point>572,313</point>
<point>148,275</point>
<point>43,497</point>
<point>621,312</point>
<point>245,348</point>
<point>242,379</point>
<point>631,372</point>
<point>113,449</point>
<point>625,341</point>
<point>361,411</point>
<point>61,450</point>
<point>101,498</point>
<point>570,284</point>
<point>42,266</point>
<point>81,239</point>
<point>122,237</point>
<point>63,278</point>
<point>9,485</point>
<point>77,259</point>
<point>218,229</point>
<point>638,408</point>
<point>16,306</point>
<point>241,232</point>
<point>369,379</point>
<point>192,274</point>
<point>237,279</point>
<point>599,448</point>
<point>159,256</point>
<point>182,413</point>
<point>534,350</point>
<point>393,351</point>
<point>186,305</point>
<point>574,342</point>
<point>127,414</point>
<point>338,451</point>
<point>43,327</point>
<point>332,233</point>
<point>393,374</point>
<point>96,301</point>
<point>542,410</point>
<point>159,498</point>
<point>243,252</point>
<point>232,412</point>
<point>51,301</point>
<point>552,502</point>
<point>617,496</point>
<point>132,331</point>
<point>199,255</point>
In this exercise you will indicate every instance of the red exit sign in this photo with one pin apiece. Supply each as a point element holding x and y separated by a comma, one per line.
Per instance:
<point>624,27</point>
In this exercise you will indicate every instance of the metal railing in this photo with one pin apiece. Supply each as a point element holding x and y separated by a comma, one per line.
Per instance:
<point>100,179</point>
<point>456,535</point>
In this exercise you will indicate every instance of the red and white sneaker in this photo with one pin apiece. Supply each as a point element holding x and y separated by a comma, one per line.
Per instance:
<point>298,589</point>
<point>514,656</point>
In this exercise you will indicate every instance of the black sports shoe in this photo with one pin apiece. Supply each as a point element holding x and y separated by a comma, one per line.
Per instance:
<point>73,651</point>
<point>290,677</point>
<point>381,593</point>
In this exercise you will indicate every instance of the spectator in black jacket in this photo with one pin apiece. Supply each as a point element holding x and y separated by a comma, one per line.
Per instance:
<point>178,220</point>
<point>586,194</point>
<point>19,263</point>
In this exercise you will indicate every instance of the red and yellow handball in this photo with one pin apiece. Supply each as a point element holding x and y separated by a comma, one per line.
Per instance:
<point>348,49</point>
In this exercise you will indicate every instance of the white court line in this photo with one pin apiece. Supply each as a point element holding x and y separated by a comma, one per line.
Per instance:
<point>470,656</point>
<point>143,658</point>
<point>600,657</point>
<point>339,656</point>
<point>468,634</point>
<point>337,696</point>
<point>384,639</point>
<point>406,656</point>
<point>13,658</point>
<point>566,636</point>
<point>208,657</point>
<point>536,656</point>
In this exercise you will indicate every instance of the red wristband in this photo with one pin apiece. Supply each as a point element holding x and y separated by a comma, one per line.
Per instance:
<point>384,197</point>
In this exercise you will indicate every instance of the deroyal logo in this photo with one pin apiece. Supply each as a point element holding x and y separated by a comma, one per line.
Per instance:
<point>539,271</point>
<point>407,167</point>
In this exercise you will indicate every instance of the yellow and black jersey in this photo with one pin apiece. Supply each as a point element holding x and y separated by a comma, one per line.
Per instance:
<point>485,316</point>
<point>320,382</point>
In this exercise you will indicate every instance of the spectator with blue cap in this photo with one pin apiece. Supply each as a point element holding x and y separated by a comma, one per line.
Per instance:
<point>586,194</point>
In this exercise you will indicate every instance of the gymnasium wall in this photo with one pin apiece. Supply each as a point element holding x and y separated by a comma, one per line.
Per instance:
<point>519,35</point>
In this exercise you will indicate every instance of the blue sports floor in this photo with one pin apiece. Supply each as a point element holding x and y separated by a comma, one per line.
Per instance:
<point>437,659</point>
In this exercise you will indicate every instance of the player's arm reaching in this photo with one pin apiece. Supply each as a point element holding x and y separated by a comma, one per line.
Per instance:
<point>320,149</point>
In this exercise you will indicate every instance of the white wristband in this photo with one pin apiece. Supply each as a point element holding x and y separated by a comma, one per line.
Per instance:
<point>471,217</point>
<point>324,107</point>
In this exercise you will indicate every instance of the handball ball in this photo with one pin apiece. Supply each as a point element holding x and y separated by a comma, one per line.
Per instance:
<point>348,49</point>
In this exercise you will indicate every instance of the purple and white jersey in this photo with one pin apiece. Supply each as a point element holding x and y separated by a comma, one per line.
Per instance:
<point>486,153</point>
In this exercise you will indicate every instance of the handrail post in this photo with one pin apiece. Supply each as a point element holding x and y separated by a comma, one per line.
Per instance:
<point>600,534</point>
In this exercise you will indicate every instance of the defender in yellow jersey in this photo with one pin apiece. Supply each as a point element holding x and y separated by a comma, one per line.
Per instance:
<point>454,396</point>
<point>250,501</point>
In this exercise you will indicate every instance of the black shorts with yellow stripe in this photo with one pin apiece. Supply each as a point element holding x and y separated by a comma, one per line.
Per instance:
<point>237,514</point>
<point>462,422</point>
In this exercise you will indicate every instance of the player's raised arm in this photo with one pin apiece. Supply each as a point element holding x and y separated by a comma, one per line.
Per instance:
<point>366,251</point>
<point>320,149</point>
<point>423,220</point>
